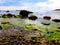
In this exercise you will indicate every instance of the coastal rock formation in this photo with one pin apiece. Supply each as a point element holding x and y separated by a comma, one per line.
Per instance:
<point>24,13</point>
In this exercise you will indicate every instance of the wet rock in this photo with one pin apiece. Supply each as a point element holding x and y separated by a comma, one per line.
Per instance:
<point>47,17</point>
<point>33,17</point>
<point>56,20</point>
<point>45,23</point>
<point>57,10</point>
<point>58,27</point>
<point>1,28</point>
<point>35,29</point>
<point>8,15</point>
<point>24,13</point>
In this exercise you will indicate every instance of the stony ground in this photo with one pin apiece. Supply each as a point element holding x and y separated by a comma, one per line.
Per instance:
<point>14,35</point>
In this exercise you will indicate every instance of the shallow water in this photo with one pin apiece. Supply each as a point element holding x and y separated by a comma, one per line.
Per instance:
<point>53,14</point>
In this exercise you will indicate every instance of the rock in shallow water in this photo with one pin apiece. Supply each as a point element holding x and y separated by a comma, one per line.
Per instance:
<point>56,20</point>
<point>33,17</point>
<point>47,17</point>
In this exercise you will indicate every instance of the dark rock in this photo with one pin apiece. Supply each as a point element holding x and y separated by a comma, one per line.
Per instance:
<point>7,11</point>
<point>24,13</point>
<point>45,23</point>
<point>33,17</point>
<point>7,15</point>
<point>5,22</point>
<point>1,28</point>
<point>56,20</point>
<point>57,10</point>
<point>47,17</point>
<point>10,15</point>
<point>58,27</point>
<point>35,29</point>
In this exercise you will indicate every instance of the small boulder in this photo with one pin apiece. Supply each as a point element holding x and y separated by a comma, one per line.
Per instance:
<point>47,17</point>
<point>45,23</point>
<point>1,28</point>
<point>56,20</point>
<point>24,13</point>
<point>33,17</point>
<point>7,11</point>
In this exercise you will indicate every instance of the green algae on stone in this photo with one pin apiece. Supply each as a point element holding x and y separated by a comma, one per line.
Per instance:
<point>4,25</point>
<point>29,26</point>
<point>46,23</point>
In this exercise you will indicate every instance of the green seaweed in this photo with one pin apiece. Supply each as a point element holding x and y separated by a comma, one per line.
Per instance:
<point>29,26</point>
<point>4,25</point>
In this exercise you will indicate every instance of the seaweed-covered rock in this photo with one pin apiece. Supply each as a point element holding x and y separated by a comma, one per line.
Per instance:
<point>45,23</point>
<point>4,16</point>
<point>7,15</point>
<point>58,28</point>
<point>33,17</point>
<point>5,22</point>
<point>56,20</point>
<point>47,17</point>
<point>1,28</point>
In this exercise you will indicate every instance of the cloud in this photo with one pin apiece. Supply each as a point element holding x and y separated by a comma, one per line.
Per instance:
<point>54,4</point>
<point>35,6</point>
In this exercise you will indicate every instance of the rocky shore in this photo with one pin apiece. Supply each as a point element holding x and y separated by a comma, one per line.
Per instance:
<point>14,35</point>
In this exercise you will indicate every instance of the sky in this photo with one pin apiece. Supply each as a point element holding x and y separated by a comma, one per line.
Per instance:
<point>31,5</point>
